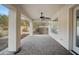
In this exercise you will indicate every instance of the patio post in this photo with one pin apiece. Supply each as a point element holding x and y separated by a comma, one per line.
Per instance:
<point>31,28</point>
<point>14,30</point>
<point>49,27</point>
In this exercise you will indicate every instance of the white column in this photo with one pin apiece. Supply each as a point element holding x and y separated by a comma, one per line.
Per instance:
<point>31,28</point>
<point>14,31</point>
<point>49,28</point>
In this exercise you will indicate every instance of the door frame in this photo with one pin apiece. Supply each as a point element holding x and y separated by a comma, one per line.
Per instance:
<point>76,49</point>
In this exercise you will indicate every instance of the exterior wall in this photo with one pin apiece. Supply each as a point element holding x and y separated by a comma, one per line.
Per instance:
<point>63,35</point>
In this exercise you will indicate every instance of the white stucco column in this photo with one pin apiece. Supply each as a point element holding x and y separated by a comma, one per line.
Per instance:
<point>31,28</point>
<point>49,28</point>
<point>14,30</point>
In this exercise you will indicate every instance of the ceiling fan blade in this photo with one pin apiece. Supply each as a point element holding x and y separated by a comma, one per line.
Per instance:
<point>47,18</point>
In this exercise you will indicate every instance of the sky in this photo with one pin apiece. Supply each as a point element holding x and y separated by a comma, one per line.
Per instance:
<point>3,10</point>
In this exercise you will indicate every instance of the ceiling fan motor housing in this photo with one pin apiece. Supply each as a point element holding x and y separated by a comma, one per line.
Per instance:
<point>42,17</point>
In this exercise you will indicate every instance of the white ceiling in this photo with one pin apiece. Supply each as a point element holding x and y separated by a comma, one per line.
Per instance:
<point>33,10</point>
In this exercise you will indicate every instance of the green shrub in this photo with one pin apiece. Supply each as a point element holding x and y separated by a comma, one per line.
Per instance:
<point>25,30</point>
<point>1,34</point>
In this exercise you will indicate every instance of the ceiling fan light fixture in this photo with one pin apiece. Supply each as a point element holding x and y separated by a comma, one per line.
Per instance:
<point>43,17</point>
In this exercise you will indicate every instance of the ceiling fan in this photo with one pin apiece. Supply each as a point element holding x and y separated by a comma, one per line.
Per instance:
<point>42,17</point>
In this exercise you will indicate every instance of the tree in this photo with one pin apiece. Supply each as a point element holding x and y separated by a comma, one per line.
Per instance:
<point>4,20</point>
<point>24,23</point>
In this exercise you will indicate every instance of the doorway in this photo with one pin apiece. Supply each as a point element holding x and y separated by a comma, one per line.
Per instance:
<point>76,30</point>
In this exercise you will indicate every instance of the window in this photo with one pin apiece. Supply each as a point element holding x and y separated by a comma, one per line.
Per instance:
<point>54,26</point>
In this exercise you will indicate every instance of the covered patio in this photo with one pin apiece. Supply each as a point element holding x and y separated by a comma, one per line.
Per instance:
<point>54,38</point>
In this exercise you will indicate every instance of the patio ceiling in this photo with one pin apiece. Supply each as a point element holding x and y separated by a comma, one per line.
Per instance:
<point>33,10</point>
